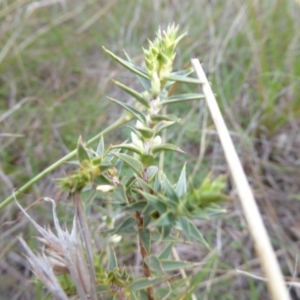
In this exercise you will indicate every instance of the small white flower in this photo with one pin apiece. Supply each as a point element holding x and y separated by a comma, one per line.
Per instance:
<point>116,238</point>
<point>139,125</point>
<point>137,141</point>
<point>157,140</point>
<point>105,188</point>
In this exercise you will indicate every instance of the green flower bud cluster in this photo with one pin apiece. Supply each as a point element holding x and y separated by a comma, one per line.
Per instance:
<point>160,56</point>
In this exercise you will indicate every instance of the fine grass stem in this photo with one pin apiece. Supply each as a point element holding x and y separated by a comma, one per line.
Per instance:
<point>121,121</point>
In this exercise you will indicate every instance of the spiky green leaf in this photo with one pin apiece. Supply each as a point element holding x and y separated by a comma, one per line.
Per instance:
<point>165,219</point>
<point>129,147</point>
<point>158,118</point>
<point>82,152</point>
<point>170,191</point>
<point>146,133</point>
<point>139,115</point>
<point>145,236</point>
<point>165,231</point>
<point>156,202</point>
<point>174,265</point>
<point>100,147</point>
<point>151,172</point>
<point>166,252</point>
<point>112,259</point>
<point>184,79</point>
<point>181,186</point>
<point>166,147</point>
<point>129,65</point>
<point>182,73</point>
<point>137,206</point>
<point>154,263</point>
<point>147,159</point>
<point>158,182</point>
<point>196,234</point>
<point>144,283</point>
<point>132,162</point>
<point>143,185</point>
<point>182,98</point>
<point>127,226</point>
<point>145,82</point>
<point>163,125</point>
<point>185,225</point>
<point>139,97</point>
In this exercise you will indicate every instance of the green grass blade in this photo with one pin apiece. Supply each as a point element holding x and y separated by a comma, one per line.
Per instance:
<point>122,120</point>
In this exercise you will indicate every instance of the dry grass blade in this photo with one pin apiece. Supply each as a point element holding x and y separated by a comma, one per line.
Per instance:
<point>42,268</point>
<point>84,231</point>
<point>264,248</point>
<point>63,253</point>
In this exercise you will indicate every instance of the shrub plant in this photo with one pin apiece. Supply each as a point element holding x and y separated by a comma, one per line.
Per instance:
<point>135,195</point>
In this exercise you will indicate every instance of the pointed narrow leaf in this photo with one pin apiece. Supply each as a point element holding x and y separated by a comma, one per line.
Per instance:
<point>103,288</point>
<point>165,253</point>
<point>165,231</point>
<point>147,159</point>
<point>125,226</point>
<point>158,118</point>
<point>181,186</point>
<point>121,193</point>
<point>180,78</point>
<point>129,147</point>
<point>144,283</point>
<point>143,185</point>
<point>182,98</point>
<point>151,172</point>
<point>147,133</point>
<point>100,147</point>
<point>153,262</point>
<point>196,234</point>
<point>156,236</point>
<point>145,82</point>
<point>139,97</point>
<point>167,218</point>
<point>113,263</point>
<point>148,210</point>
<point>129,65</point>
<point>140,116</point>
<point>185,225</point>
<point>163,125</point>
<point>166,147</point>
<point>170,192</point>
<point>132,162</point>
<point>82,153</point>
<point>137,206</point>
<point>156,202</point>
<point>145,236</point>
<point>174,265</point>
<point>158,182</point>
<point>182,73</point>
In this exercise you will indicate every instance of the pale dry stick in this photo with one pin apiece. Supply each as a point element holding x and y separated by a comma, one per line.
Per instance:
<point>257,229</point>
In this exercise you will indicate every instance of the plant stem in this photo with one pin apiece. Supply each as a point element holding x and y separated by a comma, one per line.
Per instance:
<point>122,120</point>
<point>144,254</point>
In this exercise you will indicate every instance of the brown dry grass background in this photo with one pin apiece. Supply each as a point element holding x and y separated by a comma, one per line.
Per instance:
<point>53,83</point>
